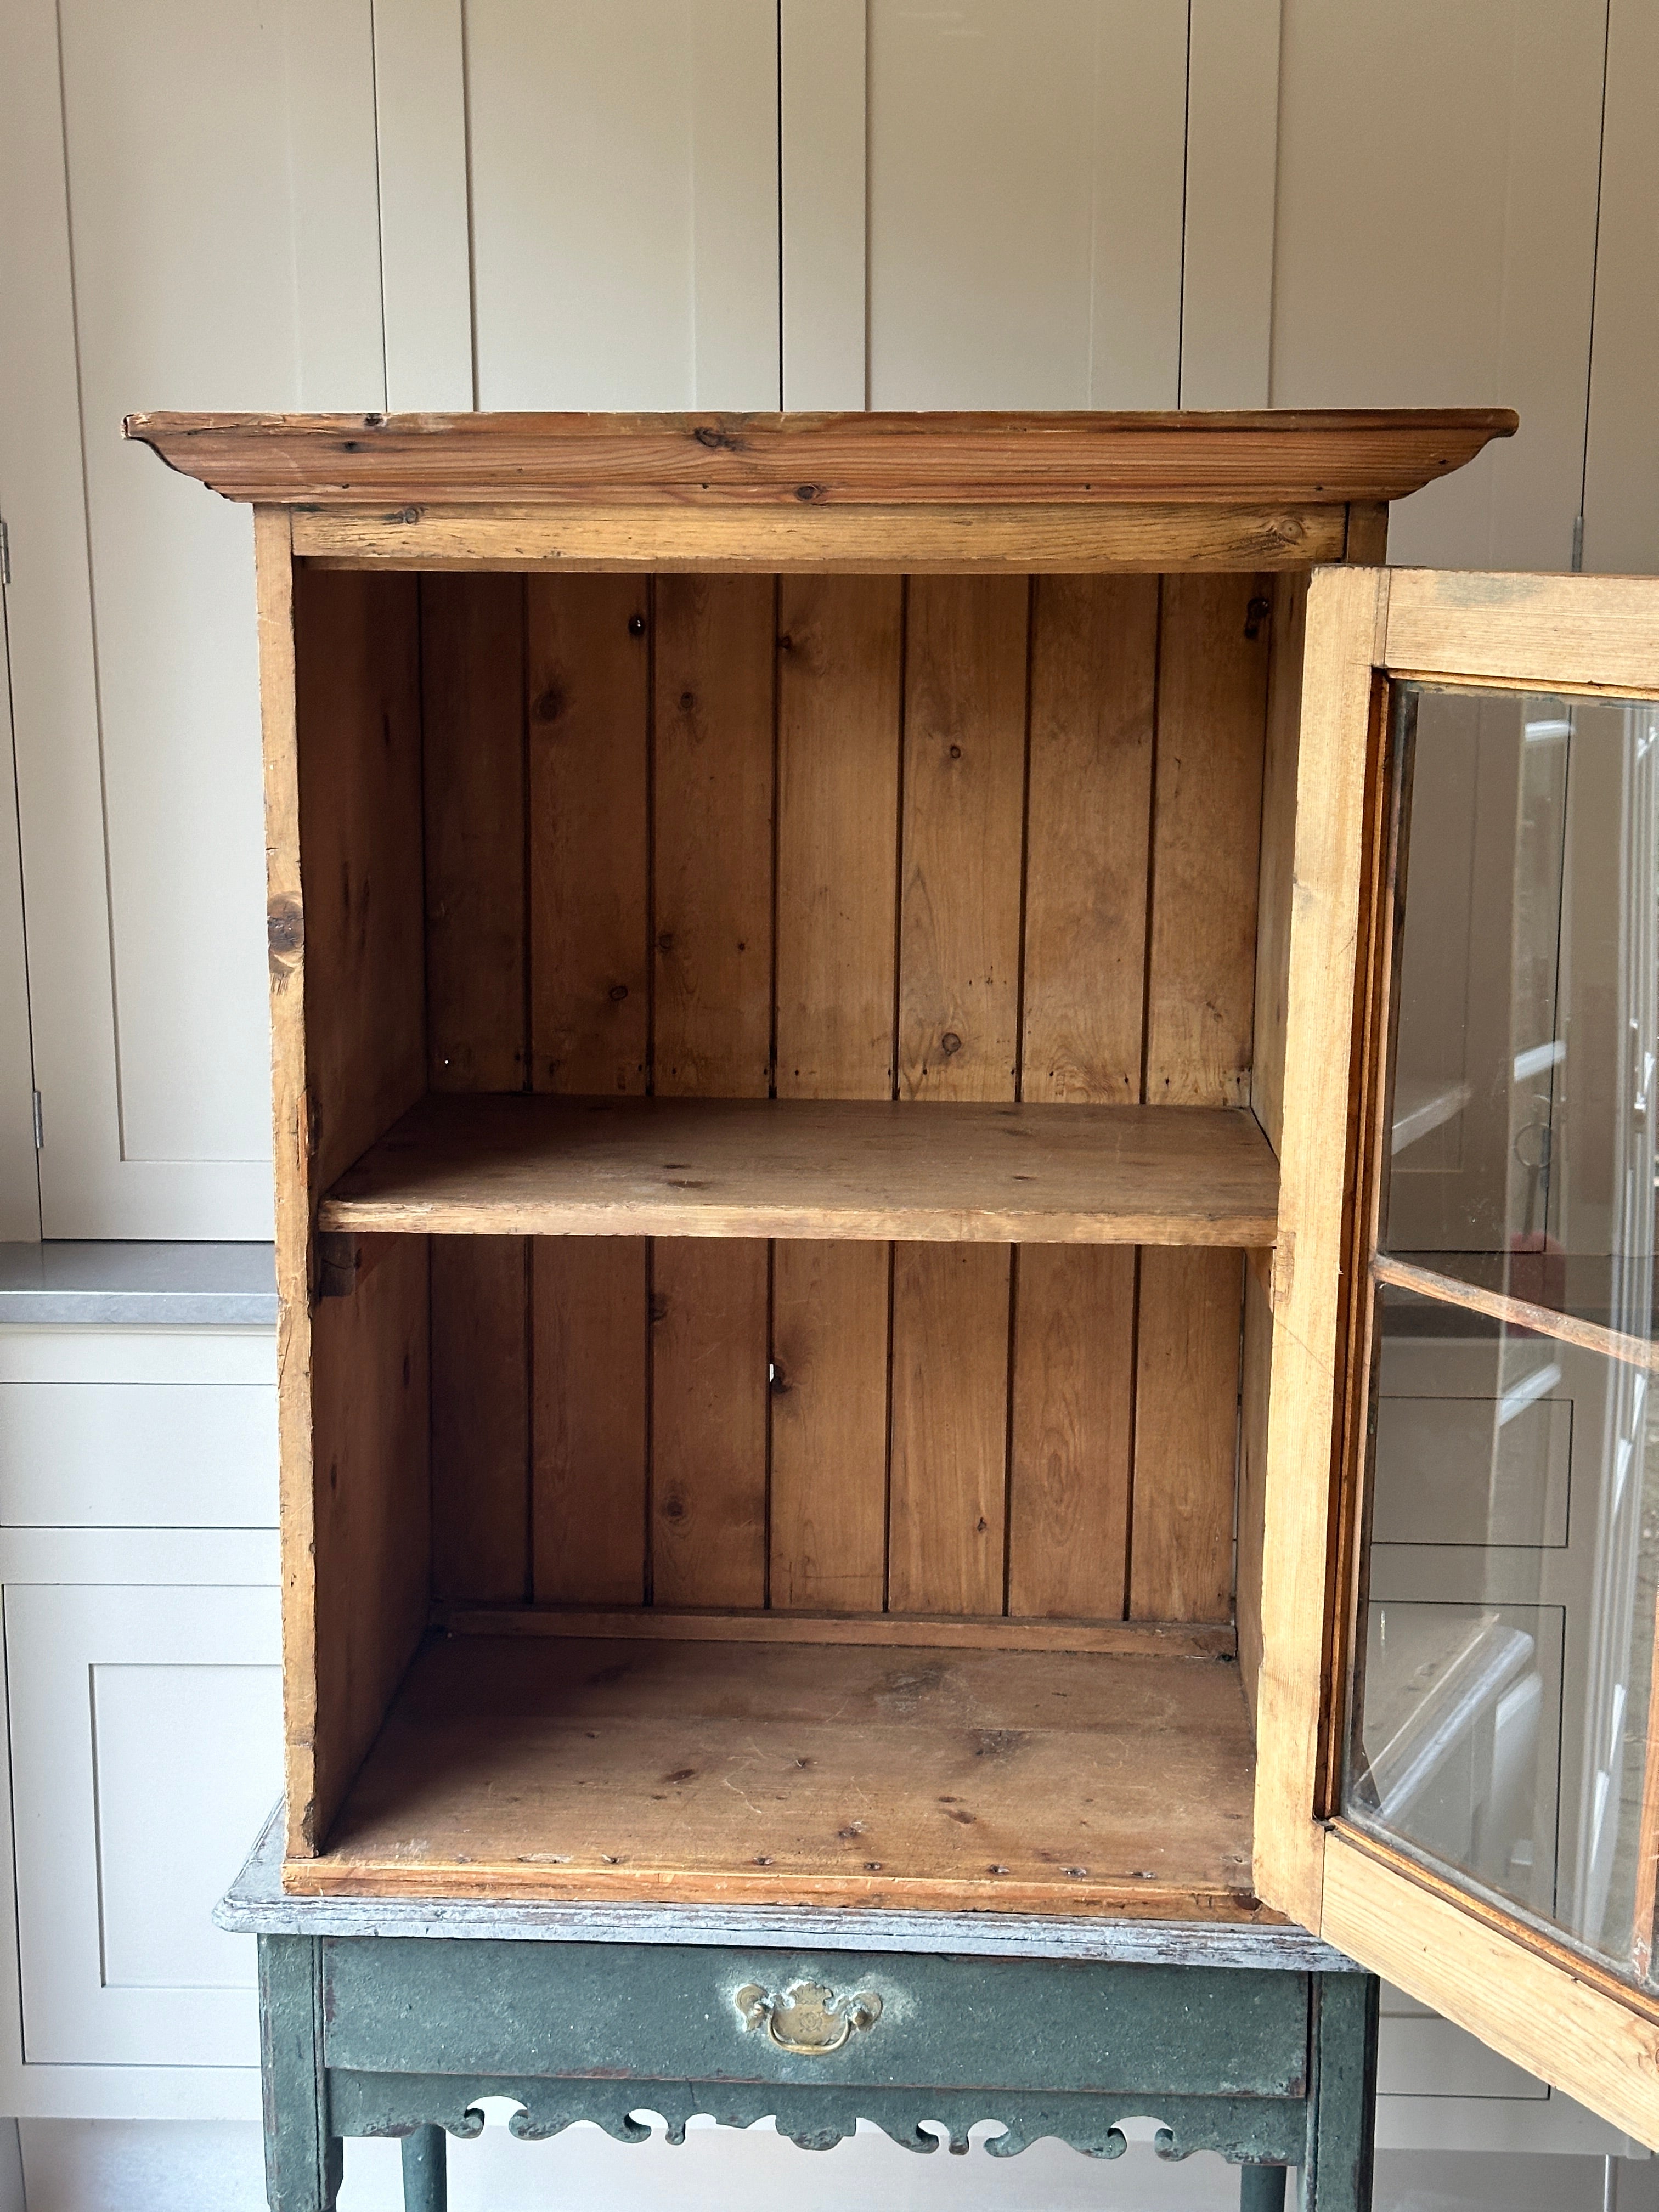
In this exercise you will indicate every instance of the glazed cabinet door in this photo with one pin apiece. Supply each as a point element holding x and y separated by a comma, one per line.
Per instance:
<point>1458,1777</point>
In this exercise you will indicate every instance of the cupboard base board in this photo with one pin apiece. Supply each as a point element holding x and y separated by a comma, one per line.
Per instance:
<point>800,1774</point>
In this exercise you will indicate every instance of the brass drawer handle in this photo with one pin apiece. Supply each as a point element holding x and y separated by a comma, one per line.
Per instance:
<point>808,2017</point>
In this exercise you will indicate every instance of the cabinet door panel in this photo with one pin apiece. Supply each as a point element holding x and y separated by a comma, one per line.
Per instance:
<point>146,1748</point>
<point>1466,1795</point>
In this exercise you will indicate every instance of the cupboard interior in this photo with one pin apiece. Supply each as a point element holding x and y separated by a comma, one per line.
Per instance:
<point>918,1566</point>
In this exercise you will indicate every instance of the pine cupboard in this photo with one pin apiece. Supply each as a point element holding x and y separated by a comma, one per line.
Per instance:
<point>847,1024</point>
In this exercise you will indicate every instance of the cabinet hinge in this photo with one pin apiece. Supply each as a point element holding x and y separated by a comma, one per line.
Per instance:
<point>39,1124</point>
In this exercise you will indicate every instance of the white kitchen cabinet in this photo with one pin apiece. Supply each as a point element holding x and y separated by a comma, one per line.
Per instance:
<point>139,1594</point>
<point>122,1698</point>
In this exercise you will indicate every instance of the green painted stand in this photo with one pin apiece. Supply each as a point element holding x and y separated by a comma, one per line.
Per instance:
<point>393,2018</point>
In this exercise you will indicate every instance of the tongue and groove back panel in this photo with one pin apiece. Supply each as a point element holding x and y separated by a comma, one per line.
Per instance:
<point>942,837</point>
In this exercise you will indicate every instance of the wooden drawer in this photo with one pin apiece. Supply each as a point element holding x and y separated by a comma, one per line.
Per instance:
<point>604,2011</point>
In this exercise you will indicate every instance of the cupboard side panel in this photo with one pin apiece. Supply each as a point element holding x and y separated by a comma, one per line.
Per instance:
<point>1094,672</point>
<point>840,671</point>
<point>1201,992</point>
<point>358,692</point>
<point>472,716</point>
<point>588,717</point>
<point>712,737</point>
<point>279,739</point>
<point>373,1415</point>
<point>961,864</point>
<point>358,920</point>
<point>1273,935</point>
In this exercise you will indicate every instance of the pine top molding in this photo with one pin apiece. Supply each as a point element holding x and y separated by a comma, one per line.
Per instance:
<point>1301,458</point>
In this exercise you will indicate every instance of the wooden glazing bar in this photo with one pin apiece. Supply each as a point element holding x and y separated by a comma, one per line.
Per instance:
<point>1520,1313</point>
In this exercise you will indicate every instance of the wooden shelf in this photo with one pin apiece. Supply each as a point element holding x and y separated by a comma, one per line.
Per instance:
<point>1558,1295</point>
<point>792,1774</point>
<point>523,1166</point>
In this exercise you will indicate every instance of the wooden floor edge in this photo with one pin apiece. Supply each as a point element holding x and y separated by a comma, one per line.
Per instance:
<point>1119,1639</point>
<point>513,1881</point>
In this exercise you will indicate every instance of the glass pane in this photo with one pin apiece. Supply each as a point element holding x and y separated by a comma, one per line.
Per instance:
<point>1499,1722</point>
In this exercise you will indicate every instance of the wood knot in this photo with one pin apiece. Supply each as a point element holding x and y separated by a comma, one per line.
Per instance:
<point>673,1509</point>
<point>956,753</point>
<point>285,934</point>
<point>688,702</point>
<point>617,994</point>
<point>717,441</point>
<point>549,706</point>
<point>950,1043</point>
<point>809,491</point>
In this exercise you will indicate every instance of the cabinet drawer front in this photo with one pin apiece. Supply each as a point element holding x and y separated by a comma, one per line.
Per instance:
<point>137,1454</point>
<point>667,2013</point>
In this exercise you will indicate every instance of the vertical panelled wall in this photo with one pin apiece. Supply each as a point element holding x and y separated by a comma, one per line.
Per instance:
<point>974,838</point>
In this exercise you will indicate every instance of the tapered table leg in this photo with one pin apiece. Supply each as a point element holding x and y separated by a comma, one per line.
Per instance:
<point>426,2180</point>
<point>1262,2188</point>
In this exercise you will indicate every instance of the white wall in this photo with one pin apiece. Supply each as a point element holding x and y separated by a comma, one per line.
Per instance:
<point>286,203</point>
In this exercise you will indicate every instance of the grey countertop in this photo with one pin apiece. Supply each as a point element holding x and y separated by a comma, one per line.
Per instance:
<point>158,1285</point>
